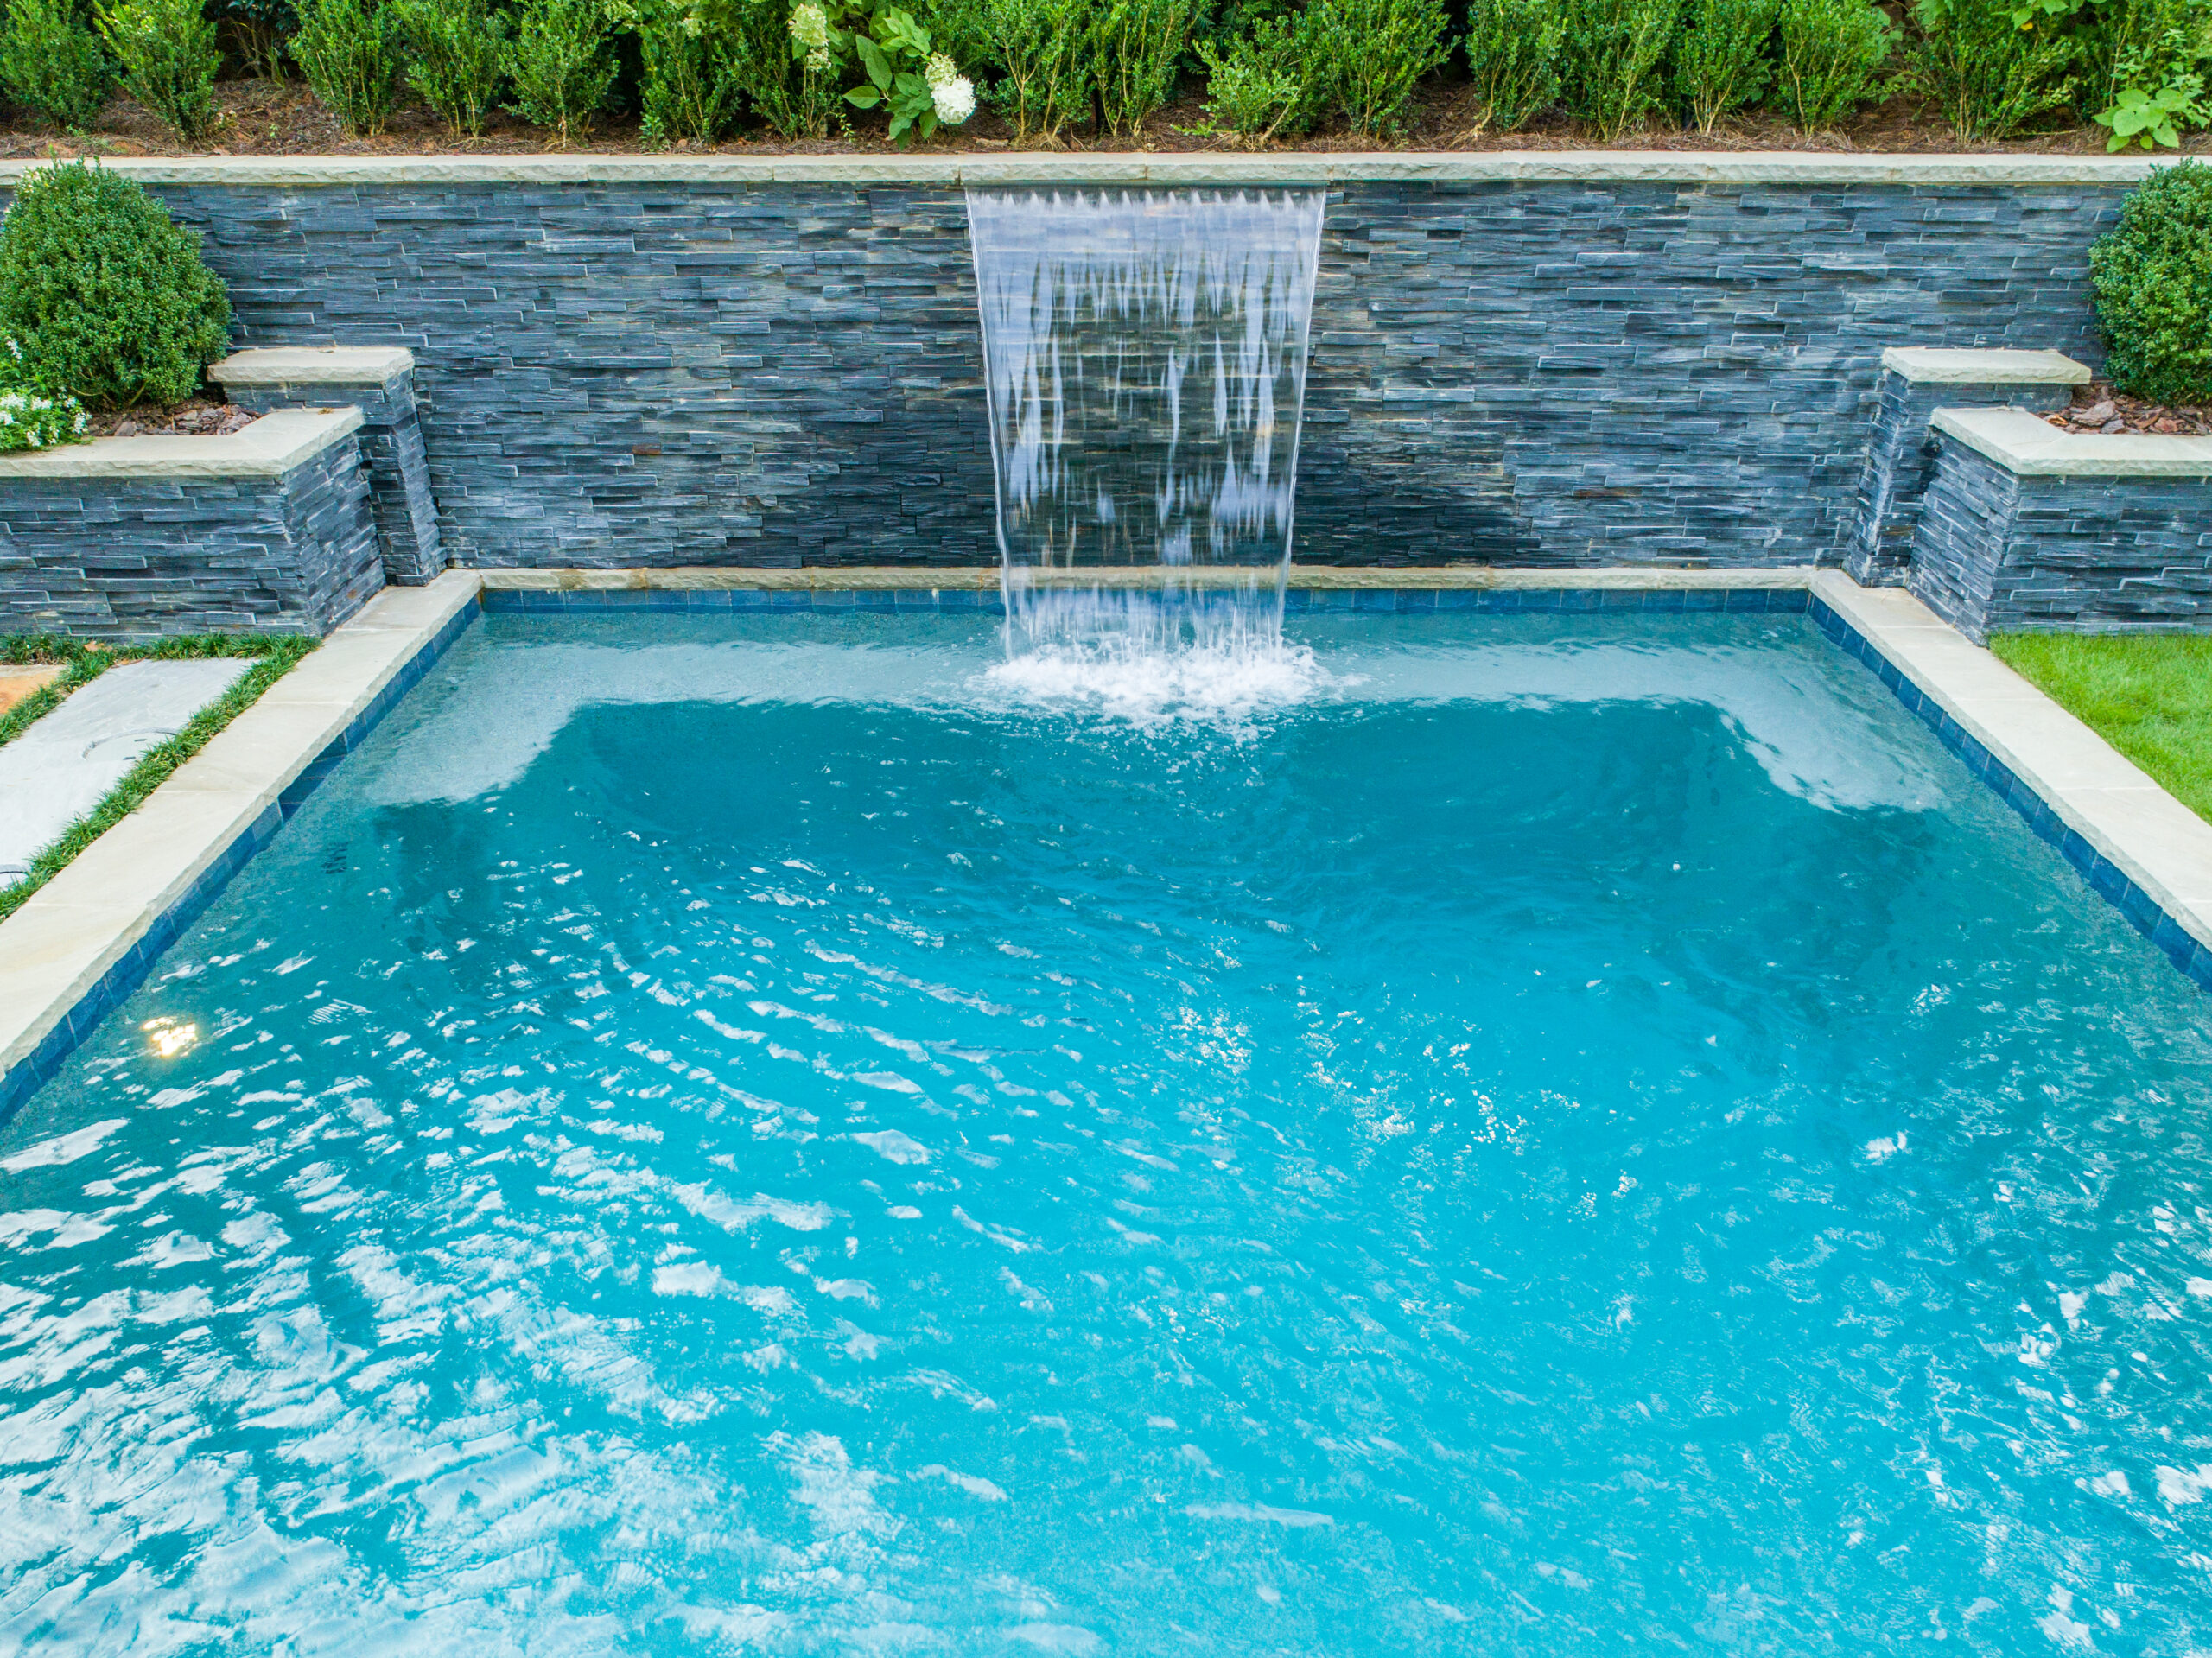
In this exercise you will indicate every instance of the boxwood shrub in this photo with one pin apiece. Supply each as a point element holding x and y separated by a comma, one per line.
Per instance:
<point>2152,274</point>
<point>108,298</point>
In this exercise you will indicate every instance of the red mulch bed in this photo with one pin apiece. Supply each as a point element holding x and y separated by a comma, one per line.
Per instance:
<point>196,417</point>
<point>2098,407</point>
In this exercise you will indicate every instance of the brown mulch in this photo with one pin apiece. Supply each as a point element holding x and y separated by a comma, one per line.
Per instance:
<point>195,417</point>
<point>260,118</point>
<point>2098,407</point>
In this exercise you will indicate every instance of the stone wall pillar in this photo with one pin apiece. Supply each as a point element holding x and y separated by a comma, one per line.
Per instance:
<point>380,382</point>
<point>144,537</point>
<point>1901,452</point>
<point>2026,526</point>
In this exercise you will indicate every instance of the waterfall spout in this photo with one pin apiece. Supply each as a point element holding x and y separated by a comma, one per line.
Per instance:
<point>1145,353</point>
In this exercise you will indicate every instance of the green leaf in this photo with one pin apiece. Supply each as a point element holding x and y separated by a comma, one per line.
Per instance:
<point>863,98</point>
<point>873,61</point>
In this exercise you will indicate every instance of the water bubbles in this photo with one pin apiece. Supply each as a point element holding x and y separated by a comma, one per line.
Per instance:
<point>1183,654</point>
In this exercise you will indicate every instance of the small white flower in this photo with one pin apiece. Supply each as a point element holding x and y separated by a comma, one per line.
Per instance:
<point>810,26</point>
<point>941,71</point>
<point>954,100</point>
<point>817,61</point>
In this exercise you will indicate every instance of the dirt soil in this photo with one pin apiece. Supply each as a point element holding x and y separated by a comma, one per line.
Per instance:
<point>2098,407</point>
<point>263,120</point>
<point>195,417</point>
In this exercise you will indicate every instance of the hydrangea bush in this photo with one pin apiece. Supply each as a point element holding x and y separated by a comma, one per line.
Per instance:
<point>30,419</point>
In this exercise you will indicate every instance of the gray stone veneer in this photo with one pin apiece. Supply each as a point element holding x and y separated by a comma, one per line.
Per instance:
<point>1998,549</point>
<point>1901,450</point>
<point>391,445</point>
<point>628,370</point>
<point>144,558</point>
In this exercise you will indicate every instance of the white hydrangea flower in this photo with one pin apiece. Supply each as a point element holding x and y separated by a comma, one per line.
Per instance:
<point>810,29</point>
<point>954,100</point>
<point>941,70</point>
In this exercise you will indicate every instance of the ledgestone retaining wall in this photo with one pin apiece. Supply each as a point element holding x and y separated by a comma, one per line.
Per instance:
<point>2023,527</point>
<point>140,538</point>
<point>1668,362</point>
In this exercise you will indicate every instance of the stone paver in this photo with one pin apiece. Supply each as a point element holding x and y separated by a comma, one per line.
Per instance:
<point>64,765</point>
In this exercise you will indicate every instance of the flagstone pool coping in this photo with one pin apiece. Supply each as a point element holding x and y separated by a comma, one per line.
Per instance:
<point>82,944</point>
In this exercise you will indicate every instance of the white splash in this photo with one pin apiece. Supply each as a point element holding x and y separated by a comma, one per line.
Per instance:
<point>1213,656</point>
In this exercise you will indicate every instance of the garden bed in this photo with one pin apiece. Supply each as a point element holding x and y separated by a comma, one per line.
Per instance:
<point>195,417</point>
<point>259,119</point>
<point>2099,407</point>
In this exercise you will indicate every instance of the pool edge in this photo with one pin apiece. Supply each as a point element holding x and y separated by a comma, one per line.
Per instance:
<point>86,940</point>
<point>2138,847</point>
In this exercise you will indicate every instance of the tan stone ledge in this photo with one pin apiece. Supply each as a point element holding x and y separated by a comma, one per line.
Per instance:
<point>875,578</point>
<point>270,447</point>
<point>313,366</point>
<point>2157,842</point>
<point>2032,447</point>
<point>1093,167</point>
<point>1924,366</point>
<point>68,934</point>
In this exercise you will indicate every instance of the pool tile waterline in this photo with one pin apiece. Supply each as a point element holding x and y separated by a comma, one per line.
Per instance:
<point>77,948</point>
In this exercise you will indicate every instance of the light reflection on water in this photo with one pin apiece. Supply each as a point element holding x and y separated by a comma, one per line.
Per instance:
<point>1576,1138</point>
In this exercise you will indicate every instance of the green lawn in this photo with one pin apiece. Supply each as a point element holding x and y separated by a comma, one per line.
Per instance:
<point>2149,695</point>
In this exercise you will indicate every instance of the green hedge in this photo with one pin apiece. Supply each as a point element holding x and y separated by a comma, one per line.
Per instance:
<point>2152,277</point>
<point>696,71</point>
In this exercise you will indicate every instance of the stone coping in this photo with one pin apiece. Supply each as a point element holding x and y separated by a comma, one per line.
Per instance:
<point>82,925</point>
<point>2032,448</point>
<point>955,171</point>
<point>877,578</point>
<point>314,366</point>
<point>2160,845</point>
<point>270,447</point>
<point>1925,366</point>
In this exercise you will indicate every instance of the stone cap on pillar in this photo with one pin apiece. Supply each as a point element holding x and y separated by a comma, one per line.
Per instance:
<point>2031,448</point>
<point>270,447</point>
<point>314,366</point>
<point>1925,366</point>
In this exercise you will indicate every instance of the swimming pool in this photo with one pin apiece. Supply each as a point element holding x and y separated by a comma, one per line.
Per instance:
<point>1521,1134</point>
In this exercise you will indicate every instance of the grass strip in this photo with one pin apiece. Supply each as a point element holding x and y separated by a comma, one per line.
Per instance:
<point>278,654</point>
<point>2148,695</point>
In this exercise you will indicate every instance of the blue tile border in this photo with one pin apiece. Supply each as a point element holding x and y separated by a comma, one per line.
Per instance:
<point>28,1076</point>
<point>2106,878</point>
<point>1296,602</point>
<point>558,601</point>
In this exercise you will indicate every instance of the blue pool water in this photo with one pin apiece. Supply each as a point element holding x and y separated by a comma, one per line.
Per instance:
<point>1513,1136</point>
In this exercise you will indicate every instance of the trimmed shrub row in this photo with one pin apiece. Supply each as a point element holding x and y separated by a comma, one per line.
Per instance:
<point>693,70</point>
